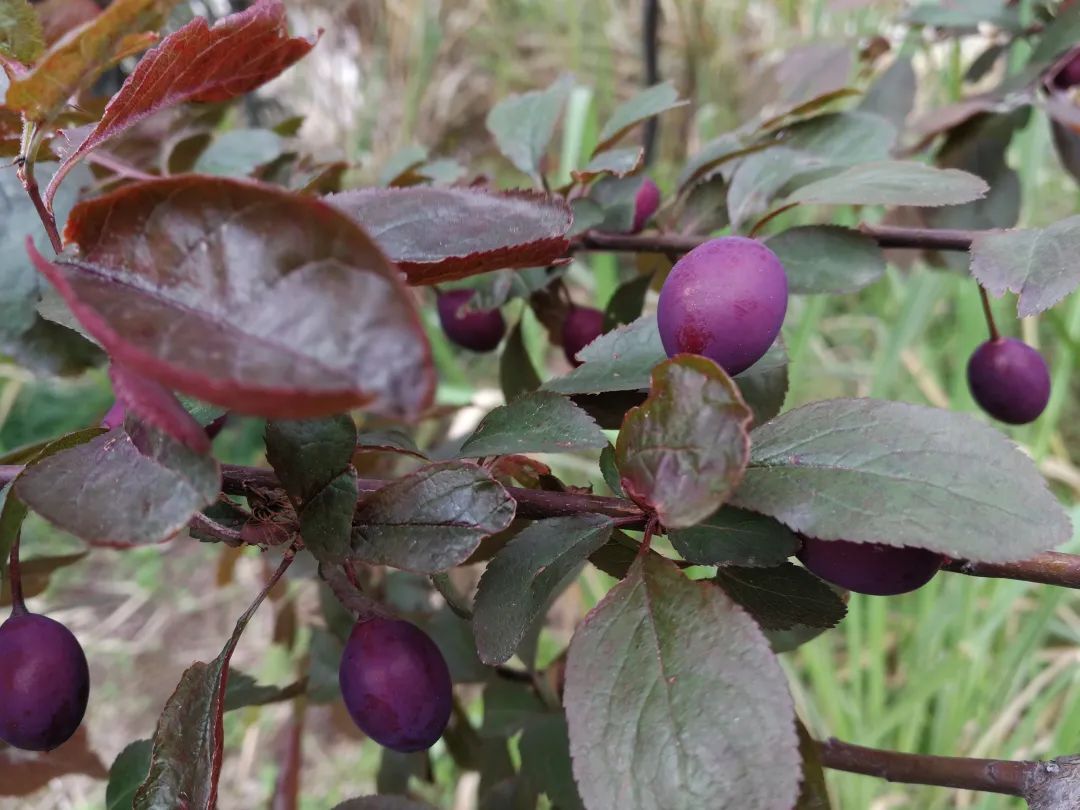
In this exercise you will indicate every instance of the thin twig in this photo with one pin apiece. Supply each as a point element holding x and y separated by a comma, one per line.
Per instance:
<point>988,313</point>
<point>987,775</point>
<point>18,604</point>
<point>650,41</point>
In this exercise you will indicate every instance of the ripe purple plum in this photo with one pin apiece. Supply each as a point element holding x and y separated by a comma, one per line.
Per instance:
<point>870,568</point>
<point>1009,380</point>
<point>1068,75</point>
<point>646,201</point>
<point>477,331</point>
<point>44,682</point>
<point>725,300</point>
<point>395,684</point>
<point>582,326</point>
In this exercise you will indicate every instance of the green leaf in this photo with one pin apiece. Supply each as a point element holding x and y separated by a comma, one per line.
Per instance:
<point>523,125</point>
<point>893,182</point>
<point>32,341</point>
<point>401,164</point>
<point>621,360</point>
<point>130,486</point>
<point>545,761</point>
<point>1059,35</point>
<point>614,162</point>
<point>518,584</point>
<point>610,470</point>
<point>21,37</point>
<point>126,774</point>
<point>616,556</point>
<point>326,519</point>
<point>675,701</point>
<point>842,138</point>
<point>36,573</point>
<point>389,439</point>
<point>649,102</point>
<point>627,301</point>
<point>683,451</point>
<point>965,14</point>
<point>536,422</point>
<point>783,641</point>
<point>238,152</point>
<point>764,385</point>
<point>243,690</point>
<point>307,454</point>
<point>782,597</point>
<point>867,470</point>
<point>616,198</point>
<point>827,258</point>
<point>1038,264</point>
<point>761,177</point>
<point>892,94</point>
<point>517,376</point>
<point>382,803</point>
<point>813,793</point>
<point>186,760</point>
<point>508,706</point>
<point>432,519</point>
<point>733,536</point>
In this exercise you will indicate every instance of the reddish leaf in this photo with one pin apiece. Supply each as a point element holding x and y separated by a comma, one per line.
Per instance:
<point>128,487</point>
<point>76,60</point>
<point>442,234</point>
<point>156,405</point>
<point>198,63</point>
<point>25,772</point>
<point>289,312</point>
<point>60,16</point>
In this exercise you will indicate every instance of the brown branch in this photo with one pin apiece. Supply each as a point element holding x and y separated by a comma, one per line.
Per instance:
<point>885,235</point>
<point>987,775</point>
<point>1048,568</point>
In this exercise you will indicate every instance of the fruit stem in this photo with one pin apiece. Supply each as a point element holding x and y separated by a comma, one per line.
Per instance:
<point>18,604</point>
<point>989,313</point>
<point>646,540</point>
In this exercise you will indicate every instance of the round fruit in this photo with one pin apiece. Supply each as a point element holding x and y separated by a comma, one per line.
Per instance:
<point>44,682</point>
<point>395,684</point>
<point>646,201</point>
<point>1009,380</point>
<point>478,331</point>
<point>725,300</point>
<point>1069,74</point>
<point>870,568</point>
<point>582,326</point>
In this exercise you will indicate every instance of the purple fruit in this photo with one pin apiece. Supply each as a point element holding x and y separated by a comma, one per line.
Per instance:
<point>870,568</point>
<point>725,300</point>
<point>478,331</point>
<point>44,682</point>
<point>396,684</point>
<point>646,201</point>
<point>1009,380</point>
<point>582,326</point>
<point>1069,74</point>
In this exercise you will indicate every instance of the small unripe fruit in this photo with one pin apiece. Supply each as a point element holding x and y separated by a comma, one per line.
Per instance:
<point>582,326</point>
<point>478,331</point>
<point>725,300</point>
<point>44,682</point>
<point>1009,380</point>
<point>646,201</point>
<point>870,568</point>
<point>395,684</point>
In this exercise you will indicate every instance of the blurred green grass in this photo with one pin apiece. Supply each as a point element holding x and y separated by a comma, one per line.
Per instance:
<point>963,666</point>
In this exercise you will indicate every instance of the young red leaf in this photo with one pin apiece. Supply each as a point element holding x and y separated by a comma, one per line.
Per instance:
<point>75,61</point>
<point>198,63</point>
<point>442,234</point>
<point>289,312</point>
<point>157,406</point>
<point>683,451</point>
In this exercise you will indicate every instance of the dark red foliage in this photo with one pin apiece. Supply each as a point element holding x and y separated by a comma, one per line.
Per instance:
<point>1009,380</point>
<point>582,326</point>
<point>44,682</point>
<point>646,201</point>
<point>870,568</point>
<point>480,331</point>
<point>726,300</point>
<point>395,684</point>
